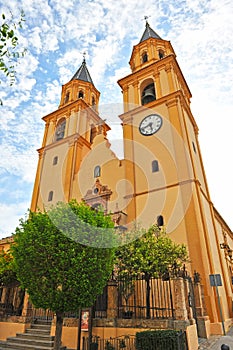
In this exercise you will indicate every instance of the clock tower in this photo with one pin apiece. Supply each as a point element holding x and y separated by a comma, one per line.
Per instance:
<point>164,164</point>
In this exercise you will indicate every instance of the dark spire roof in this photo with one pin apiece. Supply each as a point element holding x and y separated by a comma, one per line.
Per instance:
<point>82,73</point>
<point>149,33</point>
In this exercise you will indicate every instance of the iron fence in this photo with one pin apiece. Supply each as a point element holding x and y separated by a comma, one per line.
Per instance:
<point>101,304</point>
<point>11,301</point>
<point>125,342</point>
<point>38,314</point>
<point>129,342</point>
<point>145,297</point>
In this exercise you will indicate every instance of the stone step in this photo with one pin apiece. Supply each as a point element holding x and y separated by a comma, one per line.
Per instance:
<point>41,326</point>
<point>30,342</point>
<point>35,338</point>
<point>13,346</point>
<point>33,335</point>
<point>38,331</point>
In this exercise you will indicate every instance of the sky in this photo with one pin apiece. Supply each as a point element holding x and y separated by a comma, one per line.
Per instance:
<point>55,35</point>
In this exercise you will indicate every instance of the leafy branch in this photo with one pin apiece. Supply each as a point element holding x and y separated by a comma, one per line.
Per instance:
<point>9,53</point>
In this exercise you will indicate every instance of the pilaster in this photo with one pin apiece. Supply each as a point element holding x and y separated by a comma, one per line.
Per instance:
<point>68,172</point>
<point>168,70</point>
<point>112,300</point>
<point>136,93</point>
<point>35,194</point>
<point>179,299</point>
<point>158,85</point>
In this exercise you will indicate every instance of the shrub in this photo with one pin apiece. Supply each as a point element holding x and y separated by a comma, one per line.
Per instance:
<point>160,340</point>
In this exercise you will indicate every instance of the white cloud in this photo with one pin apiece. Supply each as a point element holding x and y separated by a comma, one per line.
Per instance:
<point>10,216</point>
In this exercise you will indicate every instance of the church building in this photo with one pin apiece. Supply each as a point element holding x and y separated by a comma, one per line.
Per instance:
<point>161,178</point>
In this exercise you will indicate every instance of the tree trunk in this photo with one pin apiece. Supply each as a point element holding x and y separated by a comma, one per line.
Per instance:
<point>90,328</point>
<point>58,331</point>
<point>79,329</point>
<point>147,278</point>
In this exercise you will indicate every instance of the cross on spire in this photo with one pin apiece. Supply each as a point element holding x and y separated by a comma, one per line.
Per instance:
<point>84,56</point>
<point>146,18</point>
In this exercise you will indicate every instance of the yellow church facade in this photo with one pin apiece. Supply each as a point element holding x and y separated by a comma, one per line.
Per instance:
<point>162,173</point>
<point>161,179</point>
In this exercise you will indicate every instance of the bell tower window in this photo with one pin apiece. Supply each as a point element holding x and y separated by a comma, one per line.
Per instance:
<point>144,57</point>
<point>60,129</point>
<point>148,94</point>
<point>93,103</point>
<point>161,54</point>
<point>67,97</point>
<point>80,94</point>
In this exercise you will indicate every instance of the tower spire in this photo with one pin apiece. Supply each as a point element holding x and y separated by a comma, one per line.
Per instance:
<point>83,73</point>
<point>149,32</point>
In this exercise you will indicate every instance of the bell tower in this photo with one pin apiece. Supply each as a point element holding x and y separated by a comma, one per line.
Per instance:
<point>156,120</point>
<point>68,136</point>
<point>164,172</point>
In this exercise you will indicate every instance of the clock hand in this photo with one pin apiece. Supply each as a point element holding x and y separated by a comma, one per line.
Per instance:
<point>148,125</point>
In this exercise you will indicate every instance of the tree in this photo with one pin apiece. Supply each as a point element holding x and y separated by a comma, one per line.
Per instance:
<point>7,274</point>
<point>152,254</point>
<point>8,46</point>
<point>59,272</point>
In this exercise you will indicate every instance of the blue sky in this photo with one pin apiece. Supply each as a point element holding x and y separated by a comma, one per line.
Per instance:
<point>57,33</point>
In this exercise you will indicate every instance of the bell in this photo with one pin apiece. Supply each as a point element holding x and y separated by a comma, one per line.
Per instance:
<point>148,94</point>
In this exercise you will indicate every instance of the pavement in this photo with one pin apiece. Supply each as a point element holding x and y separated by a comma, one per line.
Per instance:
<point>216,341</point>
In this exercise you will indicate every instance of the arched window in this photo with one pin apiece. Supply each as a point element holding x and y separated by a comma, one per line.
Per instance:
<point>93,103</point>
<point>148,94</point>
<point>161,54</point>
<point>80,94</point>
<point>160,220</point>
<point>155,166</point>
<point>50,196</point>
<point>67,97</point>
<point>97,171</point>
<point>60,129</point>
<point>55,160</point>
<point>144,57</point>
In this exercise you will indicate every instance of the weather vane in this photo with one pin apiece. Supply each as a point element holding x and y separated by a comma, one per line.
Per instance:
<point>84,56</point>
<point>146,18</point>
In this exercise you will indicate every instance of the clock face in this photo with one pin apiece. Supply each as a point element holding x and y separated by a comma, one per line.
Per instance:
<point>150,124</point>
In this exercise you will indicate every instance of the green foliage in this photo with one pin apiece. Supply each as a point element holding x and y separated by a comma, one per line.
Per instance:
<point>76,223</point>
<point>154,253</point>
<point>58,272</point>
<point>8,45</point>
<point>7,274</point>
<point>159,340</point>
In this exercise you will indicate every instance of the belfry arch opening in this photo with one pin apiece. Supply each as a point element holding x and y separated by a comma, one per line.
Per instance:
<point>144,57</point>
<point>80,94</point>
<point>60,129</point>
<point>147,92</point>
<point>161,54</point>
